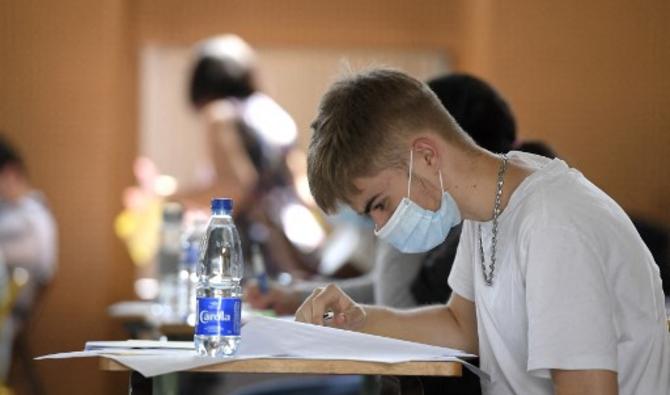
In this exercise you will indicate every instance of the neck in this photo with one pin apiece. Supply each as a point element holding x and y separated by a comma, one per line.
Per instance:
<point>472,177</point>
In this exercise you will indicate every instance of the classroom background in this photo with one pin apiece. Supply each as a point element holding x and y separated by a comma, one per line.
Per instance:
<point>590,78</point>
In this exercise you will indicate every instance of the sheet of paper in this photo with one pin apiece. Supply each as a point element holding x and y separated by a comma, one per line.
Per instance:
<point>294,339</point>
<point>139,344</point>
<point>116,351</point>
<point>264,337</point>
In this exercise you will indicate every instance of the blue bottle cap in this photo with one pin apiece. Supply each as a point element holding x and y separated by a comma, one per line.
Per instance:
<point>222,205</point>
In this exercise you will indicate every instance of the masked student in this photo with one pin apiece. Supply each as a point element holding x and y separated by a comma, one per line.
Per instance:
<point>409,280</point>
<point>552,286</point>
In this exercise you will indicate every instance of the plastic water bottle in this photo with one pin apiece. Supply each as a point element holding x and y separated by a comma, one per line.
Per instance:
<point>219,305</point>
<point>168,259</point>
<point>191,244</point>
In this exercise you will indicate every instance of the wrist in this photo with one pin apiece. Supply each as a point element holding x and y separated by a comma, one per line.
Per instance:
<point>375,318</point>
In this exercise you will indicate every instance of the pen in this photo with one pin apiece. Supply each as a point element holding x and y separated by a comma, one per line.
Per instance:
<point>263,283</point>
<point>259,269</point>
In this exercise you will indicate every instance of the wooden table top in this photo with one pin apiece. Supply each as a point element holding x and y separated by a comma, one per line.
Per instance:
<point>311,366</point>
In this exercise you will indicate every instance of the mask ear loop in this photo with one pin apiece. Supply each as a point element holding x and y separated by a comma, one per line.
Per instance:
<point>409,182</point>
<point>411,163</point>
<point>441,184</point>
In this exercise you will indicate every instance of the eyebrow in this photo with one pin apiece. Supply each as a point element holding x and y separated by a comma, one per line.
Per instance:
<point>368,205</point>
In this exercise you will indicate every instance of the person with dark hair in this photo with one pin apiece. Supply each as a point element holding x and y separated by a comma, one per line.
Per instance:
<point>221,73</point>
<point>250,137</point>
<point>27,240</point>
<point>27,228</point>
<point>478,108</point>
<point>250,134</point>
<point>537,147</point>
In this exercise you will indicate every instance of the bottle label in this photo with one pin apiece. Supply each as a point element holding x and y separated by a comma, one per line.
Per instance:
<point>218,317</point>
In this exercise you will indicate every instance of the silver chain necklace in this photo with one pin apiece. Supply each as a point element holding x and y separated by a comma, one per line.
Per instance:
<point>488,278</point>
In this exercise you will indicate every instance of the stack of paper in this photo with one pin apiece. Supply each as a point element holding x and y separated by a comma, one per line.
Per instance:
<point>264,337</point>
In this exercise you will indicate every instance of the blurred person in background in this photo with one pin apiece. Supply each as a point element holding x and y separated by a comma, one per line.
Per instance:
<point>6,337</point>
<point>249,134</point>
<point>252,141</point>
<point>536,147</point>
<point>28,242</point>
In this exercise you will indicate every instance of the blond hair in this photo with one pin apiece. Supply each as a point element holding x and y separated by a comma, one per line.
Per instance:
<point>362,126</point>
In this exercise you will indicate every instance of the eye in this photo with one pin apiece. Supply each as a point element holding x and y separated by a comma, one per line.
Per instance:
<point>379,205</point>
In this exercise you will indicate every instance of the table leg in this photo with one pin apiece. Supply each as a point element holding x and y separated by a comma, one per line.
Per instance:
<point>371,385</point>
<point>166,384</point>
<point>394,385</point>
<point>139,385</point>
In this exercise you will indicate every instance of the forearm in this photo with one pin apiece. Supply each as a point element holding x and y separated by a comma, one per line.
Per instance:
<point>584,382</point>
<point>453,325</point>
<point>436,325</point>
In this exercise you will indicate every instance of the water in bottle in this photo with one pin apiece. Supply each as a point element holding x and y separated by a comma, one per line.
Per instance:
<point>219,305</point>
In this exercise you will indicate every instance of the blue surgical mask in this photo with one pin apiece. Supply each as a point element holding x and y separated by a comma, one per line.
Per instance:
<point>413,229</point>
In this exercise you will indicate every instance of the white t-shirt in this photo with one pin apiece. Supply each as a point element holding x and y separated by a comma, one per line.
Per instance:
<point>28,236</point>
<point>574,288</point>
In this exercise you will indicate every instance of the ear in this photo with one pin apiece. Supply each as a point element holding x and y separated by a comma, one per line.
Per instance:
<point>425,152</point>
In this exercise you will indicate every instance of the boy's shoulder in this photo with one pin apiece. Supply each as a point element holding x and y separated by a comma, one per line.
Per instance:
<point>556,195</point>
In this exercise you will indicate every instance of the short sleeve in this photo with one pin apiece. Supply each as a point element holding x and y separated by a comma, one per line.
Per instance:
<point>570,311</point>
<point>462,272</point>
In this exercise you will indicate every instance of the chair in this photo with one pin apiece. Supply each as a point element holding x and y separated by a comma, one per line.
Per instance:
<point>7,304</point>
<point>25,314</point>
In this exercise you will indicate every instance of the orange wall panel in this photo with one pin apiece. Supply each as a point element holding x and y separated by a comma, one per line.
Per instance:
<point>67,102</point>
<point>588,77</point>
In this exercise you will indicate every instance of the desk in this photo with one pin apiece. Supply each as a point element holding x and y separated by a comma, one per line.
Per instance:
<point>138,318</point>
<point>303,366</point>
<point>141,385</point>
<point>176,331</point>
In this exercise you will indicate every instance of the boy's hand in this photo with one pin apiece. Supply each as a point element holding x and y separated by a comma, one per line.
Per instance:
<point>283,300</point>
<point>347,313</point>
